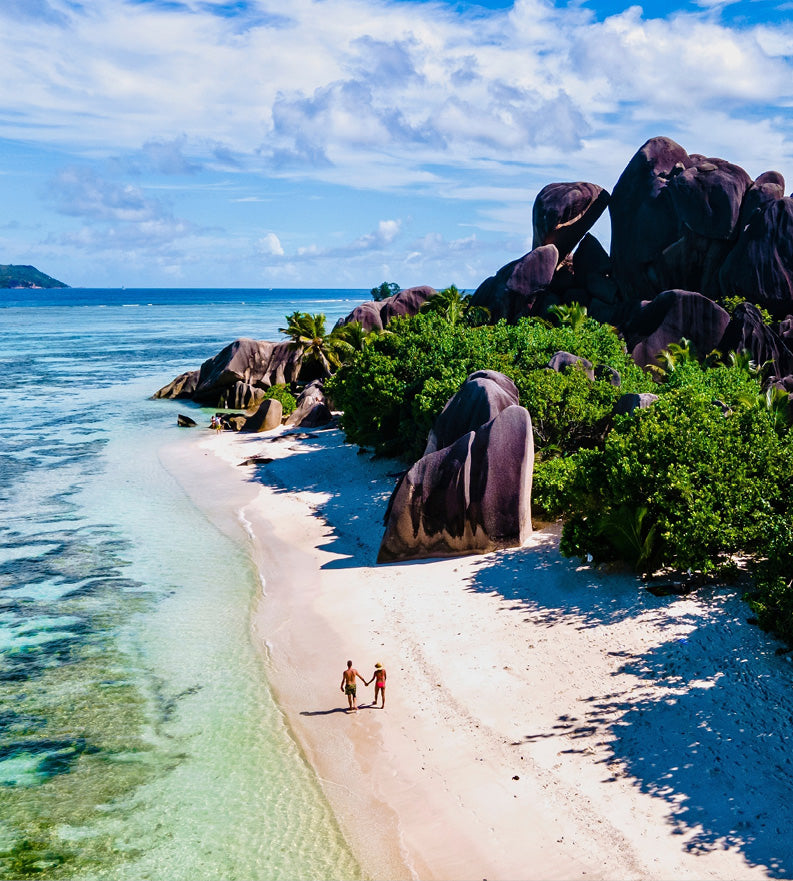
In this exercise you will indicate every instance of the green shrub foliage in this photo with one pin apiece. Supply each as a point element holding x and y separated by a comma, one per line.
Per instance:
<point>690,482</point>
<point>698,478</point>
<point>281,393</point>
<point>392,391</point>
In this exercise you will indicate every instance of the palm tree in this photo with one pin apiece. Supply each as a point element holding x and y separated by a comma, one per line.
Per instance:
<point>307,335</point>
<point>573,316</point>
<point>450,303</point>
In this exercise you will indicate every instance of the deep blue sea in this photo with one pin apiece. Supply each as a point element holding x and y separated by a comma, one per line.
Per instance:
<point>138,736</point>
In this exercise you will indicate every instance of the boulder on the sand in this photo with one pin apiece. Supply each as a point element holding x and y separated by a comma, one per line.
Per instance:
<point>268,416</point>
<point>232,421</point>
<point>561,361</point>
<point>760,265</point>
<point>747,332</point>
<point>672,316</point>
<point>673,216</point>
<point>375,314</point>
<point>471,497</point>
<point>627,403</point>
<point>184,421</point>
<point>517,289</point>
<point>240,396</point>
<point>182,387</point>
<point>257,363</point>
<point>482,396</point>
<point>312,408</point>
<point>564,212</point>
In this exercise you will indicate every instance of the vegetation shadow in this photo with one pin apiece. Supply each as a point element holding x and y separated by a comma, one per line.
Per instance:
<point>700,721</point>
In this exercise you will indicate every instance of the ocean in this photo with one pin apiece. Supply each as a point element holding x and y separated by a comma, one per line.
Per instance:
<point>138,735</point>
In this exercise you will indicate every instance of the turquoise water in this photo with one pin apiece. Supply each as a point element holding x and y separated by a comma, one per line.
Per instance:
<point>138,737</point>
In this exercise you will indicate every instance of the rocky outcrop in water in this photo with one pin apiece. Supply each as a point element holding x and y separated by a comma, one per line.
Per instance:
<point>473,495</point>
<point>238,374</point>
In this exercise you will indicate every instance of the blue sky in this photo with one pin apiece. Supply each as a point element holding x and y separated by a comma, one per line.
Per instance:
<point>340,143</point>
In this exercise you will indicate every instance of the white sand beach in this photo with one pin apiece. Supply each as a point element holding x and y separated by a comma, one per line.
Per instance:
<point>543,720</point>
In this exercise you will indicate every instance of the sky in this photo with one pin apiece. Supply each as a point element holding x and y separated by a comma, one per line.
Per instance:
<point>342,143</point>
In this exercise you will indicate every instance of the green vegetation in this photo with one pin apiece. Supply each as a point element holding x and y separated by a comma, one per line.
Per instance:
<point>281,393</point>
<point>690,484</point>
<point>386,289</point>
<point>26,277</point>
<point>321,351</point>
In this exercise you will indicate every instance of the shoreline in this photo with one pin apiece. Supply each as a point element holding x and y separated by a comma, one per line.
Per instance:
<point>543,720</point>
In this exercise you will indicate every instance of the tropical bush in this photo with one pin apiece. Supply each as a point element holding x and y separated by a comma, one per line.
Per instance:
<point>392,391</point>
<point>696,480</point>
<point>385,289</point>
<point>281,393</point>
<point>681,484</point>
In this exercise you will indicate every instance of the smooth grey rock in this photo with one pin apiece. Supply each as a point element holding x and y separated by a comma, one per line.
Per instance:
<point>470,497</point>
<point>482,396</point>
<point>268,416</point>
<point>629,402</point>
<point>567,361</point>
<point>312,408</point>
<point>182,387</point>
<point>564,212</point>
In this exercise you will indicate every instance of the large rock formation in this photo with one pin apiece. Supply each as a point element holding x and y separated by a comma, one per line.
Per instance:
<point>564,212</point>
<point>516,288</point>
<point>759,267</point>
<point>375,314</point>
<point>673,216</point>
<point>240,396</point>
<point>670,317</point>
<point>471,497</point>
<point>483,395</point>
<point>231,378</point>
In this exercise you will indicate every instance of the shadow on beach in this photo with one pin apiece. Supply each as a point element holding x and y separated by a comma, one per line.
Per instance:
<point>700,721</point>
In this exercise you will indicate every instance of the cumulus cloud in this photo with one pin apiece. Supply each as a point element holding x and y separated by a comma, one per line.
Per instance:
<point>474,106</point>
<point>335,88</point>
<point>80,192</point>
<point>270,245</point>
<point>116,215</point>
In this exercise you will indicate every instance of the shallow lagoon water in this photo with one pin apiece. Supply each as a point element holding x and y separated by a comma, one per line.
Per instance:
<point>138,738</point>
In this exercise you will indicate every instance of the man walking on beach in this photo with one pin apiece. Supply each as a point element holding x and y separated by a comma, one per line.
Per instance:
<point>349,687</point>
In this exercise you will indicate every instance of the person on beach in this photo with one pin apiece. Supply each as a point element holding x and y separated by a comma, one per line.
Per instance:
<point>378,677</point>
<point>349,687</point>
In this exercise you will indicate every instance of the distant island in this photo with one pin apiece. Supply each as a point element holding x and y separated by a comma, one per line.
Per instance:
<point>26,277</point>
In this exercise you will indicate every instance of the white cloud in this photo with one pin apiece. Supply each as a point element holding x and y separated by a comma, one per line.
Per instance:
<point>270,245</point>
<point>349,88</point>
<point>472,112</point>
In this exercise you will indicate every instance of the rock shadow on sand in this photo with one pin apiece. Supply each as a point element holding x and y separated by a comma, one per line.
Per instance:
<point>316,468</point>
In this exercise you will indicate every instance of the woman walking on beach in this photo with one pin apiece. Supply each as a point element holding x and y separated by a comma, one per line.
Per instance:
<point>379,677</point>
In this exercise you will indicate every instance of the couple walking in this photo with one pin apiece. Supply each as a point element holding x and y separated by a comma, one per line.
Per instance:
<point>349,687</point>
